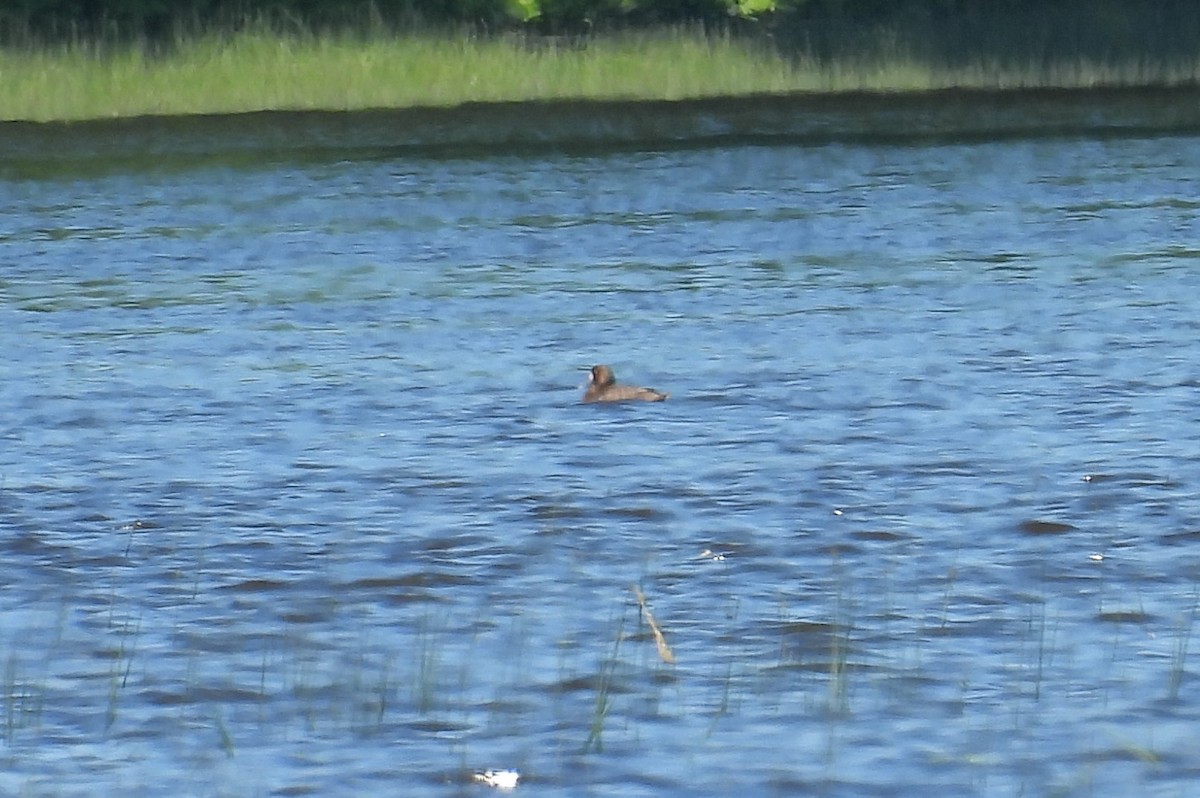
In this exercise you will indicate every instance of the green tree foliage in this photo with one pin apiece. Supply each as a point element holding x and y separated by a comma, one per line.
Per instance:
<point>948,31</point>
<point>154,17</point>
<point>955,33</point>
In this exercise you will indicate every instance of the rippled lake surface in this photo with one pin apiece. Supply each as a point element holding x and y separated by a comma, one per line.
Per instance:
<point>297,497</point>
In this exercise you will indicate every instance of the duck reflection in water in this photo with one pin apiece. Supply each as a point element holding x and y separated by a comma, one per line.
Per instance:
<point>603,387</point>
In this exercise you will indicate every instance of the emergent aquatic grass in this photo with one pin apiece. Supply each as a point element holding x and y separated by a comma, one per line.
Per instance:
<point>266,70</point>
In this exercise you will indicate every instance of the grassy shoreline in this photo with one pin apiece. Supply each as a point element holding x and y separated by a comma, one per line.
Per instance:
<point>262,70</point>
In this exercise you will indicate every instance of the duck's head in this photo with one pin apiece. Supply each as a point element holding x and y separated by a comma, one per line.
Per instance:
<point>601,376</point>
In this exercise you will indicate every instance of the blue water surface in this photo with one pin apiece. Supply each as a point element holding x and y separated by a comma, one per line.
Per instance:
<point>297,496</point>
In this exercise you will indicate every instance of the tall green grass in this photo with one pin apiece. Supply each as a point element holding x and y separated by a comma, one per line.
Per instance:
<point>261,69</point>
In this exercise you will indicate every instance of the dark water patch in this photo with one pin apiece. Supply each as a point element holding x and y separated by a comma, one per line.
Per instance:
<point>615,680</point>
<point>837,550</point>
<point>409,597</point>
<point>256,586</point>
<point>204,695</point>
<point>438,726</point>
<point>307,617</point>
<point>298,790</point>
<point>434,579</point>
<point>800,628</point>
<point>386,583</point>
<point>638,513</point>
<point>557,511</point>
<point>1181,538</point>
<point>1124,616</point>
<point>817,666</point>
<point>1036,526</point>
<point>454,542</point>
<point>34,544</point>
<point>957,628</point>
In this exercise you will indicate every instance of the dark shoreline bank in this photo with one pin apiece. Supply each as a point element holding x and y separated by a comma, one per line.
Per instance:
<point>600,125</point>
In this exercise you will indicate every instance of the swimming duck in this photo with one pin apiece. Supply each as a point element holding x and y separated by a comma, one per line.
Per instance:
<point>603,387</point>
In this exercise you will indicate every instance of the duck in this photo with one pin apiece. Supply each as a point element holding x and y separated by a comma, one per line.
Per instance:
<point>603,387</point>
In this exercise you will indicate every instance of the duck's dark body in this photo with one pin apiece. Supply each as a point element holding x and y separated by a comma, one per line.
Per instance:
<point>603,387</point>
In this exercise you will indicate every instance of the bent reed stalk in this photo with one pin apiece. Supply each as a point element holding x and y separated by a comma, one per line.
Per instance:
<point>260,68</point>
<point>660,640</point>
